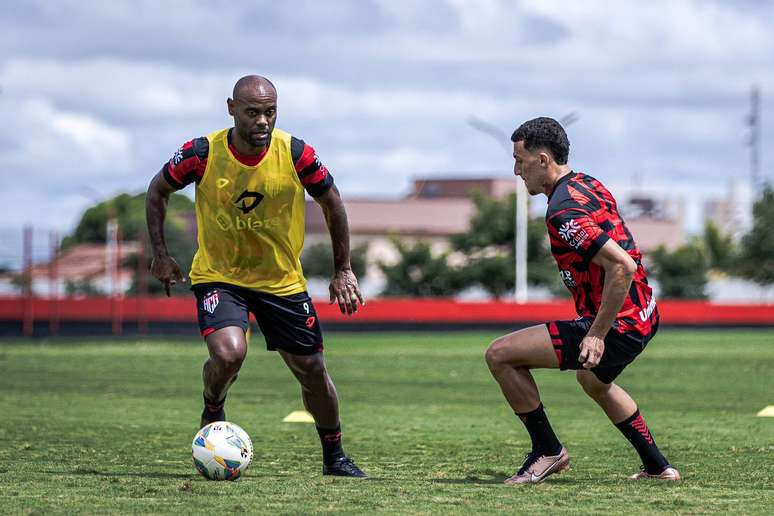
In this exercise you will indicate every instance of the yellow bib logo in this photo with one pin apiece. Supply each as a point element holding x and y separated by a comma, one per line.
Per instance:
<point>245,208</point>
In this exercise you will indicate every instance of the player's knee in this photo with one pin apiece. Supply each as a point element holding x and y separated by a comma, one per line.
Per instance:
<point>495,355</point>
<point>230,354</point>
<point>231,362</point>
<point>312,374</point>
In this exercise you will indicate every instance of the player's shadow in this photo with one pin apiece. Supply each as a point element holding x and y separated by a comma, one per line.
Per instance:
<point>115,474</point>
<point>488,476</point>
<point>492,477</point>
<point>108,474</point>
<point>467,480</point>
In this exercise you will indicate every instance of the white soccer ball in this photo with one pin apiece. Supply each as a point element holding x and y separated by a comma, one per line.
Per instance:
<point>222,451</point>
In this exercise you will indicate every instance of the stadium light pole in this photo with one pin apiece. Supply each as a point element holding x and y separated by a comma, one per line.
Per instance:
<point>522,216</point>
<point>521,291</point>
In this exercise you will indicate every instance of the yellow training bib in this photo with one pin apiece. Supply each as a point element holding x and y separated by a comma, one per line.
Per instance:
<point>251,219</point>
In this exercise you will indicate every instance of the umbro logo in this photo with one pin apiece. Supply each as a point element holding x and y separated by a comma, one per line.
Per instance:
<point>254,200</point>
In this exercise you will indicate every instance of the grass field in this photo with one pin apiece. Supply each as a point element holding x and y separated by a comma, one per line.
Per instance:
<point>102,426</point>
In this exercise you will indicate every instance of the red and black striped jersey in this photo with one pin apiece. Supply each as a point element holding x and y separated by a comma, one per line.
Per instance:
<point>582,215</point>
<point>189,162</point>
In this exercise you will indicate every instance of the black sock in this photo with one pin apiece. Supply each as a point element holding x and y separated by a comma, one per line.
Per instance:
<point>543,437</point>
<point>637,432</point>
<point>330,438</point>
<point>213,407</point>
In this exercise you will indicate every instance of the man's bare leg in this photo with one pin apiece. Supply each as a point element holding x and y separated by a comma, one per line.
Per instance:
<point>510,359</point>
<point>624,414</point>
<point>228,348</point>
<point>321,400</point>
<point>317,389</point>
<point>613,400</point>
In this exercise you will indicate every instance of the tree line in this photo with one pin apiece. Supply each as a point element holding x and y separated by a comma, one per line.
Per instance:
<point>483,257</point>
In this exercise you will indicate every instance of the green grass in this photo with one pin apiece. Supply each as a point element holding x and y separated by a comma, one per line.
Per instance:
<point>102,426</point>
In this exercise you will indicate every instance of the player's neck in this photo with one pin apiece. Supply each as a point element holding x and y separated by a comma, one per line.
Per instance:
<point>556,175</point>
<point>244,148</point>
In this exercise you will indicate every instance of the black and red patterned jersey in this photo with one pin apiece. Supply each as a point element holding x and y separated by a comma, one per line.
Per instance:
<point>582,215</point>
<point>189,162</point>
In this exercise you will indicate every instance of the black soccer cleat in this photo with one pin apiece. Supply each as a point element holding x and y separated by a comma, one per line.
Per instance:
<point>212,412</point>
<point>343,467</point>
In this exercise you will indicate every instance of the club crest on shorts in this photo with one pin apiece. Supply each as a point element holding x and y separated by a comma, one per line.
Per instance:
<point>310,321</point>
<point>210,302</point>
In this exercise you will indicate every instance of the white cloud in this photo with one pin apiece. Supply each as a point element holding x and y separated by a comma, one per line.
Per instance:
<point>52,157</point>
<point>96,139</point>
<point>382,89</point>
<point>122,88</point>
<point>309,97</point>
<point>45,136</point>
<point>384,171</point>
<point>675,31</point>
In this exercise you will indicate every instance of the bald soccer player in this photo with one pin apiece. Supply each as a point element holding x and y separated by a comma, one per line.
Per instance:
<point>250,182</point>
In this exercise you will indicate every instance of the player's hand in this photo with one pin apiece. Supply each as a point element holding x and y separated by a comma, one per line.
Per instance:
<point>345,291</point>
<point>591,349</point>
<point>167,271</point>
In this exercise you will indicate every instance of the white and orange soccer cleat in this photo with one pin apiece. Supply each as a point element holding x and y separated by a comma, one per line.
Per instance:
<point>538,466</point>
<point>670,474</point>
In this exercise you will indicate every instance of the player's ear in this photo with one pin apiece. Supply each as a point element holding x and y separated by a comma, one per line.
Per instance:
<point>230,104</point>
<point>545,159</point>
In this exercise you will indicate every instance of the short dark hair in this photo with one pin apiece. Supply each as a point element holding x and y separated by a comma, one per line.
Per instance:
<point>544,132</point>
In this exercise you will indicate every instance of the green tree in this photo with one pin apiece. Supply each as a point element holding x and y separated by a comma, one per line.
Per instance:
<point>487,250</point>
<point>721,250</point>
<point>492,224</point>
<point>757,254</point>
<point>489,245</point>
<point>420,272</point>
<point>681,273</point>
<point>495,274</point>
<point>82,288</point>
<point>317,260</point>
<point>129,211</point>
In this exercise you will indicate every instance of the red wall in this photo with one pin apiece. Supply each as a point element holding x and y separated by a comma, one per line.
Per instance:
<point>388,310</point>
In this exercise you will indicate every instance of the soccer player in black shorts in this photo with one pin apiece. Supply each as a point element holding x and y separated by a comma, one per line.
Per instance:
<point>617,315</point>
<point>250,183</point>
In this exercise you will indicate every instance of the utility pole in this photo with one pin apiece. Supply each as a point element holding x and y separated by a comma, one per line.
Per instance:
<point>28,320</point>
<point>522,215</point>
<point>754,123</point>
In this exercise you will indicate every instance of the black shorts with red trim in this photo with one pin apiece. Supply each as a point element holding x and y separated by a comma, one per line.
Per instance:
<point>288,323</point>
<point>620,348</point>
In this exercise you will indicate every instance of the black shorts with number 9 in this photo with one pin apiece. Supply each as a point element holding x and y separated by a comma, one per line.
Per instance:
<point>288,323</point>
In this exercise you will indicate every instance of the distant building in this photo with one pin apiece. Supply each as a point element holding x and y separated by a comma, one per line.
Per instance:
<point>438,208</point>
<point>84,269</point>
<point>461,188</point>
<point>654,221</point>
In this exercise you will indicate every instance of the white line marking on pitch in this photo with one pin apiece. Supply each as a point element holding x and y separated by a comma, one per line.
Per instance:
<point>301,416</point>
<point>767,412</point>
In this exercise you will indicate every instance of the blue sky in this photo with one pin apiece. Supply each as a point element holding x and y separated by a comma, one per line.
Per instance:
<point>94,97</point>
